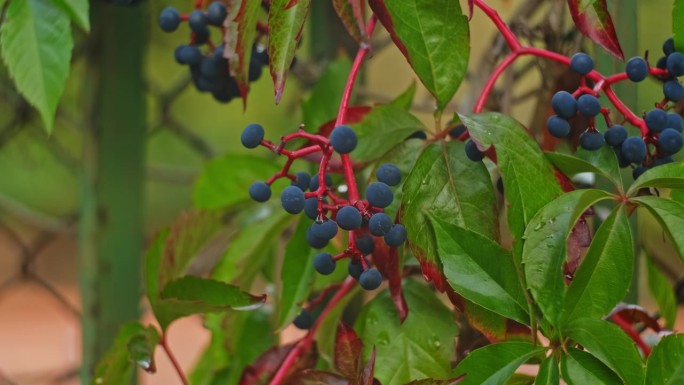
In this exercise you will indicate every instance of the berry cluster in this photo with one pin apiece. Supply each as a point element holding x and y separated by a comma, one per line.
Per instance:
<point>364,220</point>
<point>210,70</point>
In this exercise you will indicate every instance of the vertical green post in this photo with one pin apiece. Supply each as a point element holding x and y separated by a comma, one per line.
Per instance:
<point>111,229</point>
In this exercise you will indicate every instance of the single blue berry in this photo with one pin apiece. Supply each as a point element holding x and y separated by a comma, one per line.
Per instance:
<point>313,185</point>
<point>365,244</point>
<point>260,191</point>
<point>379,194</point>
<point>564,104</point>
<point>349,218</point>
<point>292,199</point>
<point>656,120</point>
<point>591,140</point>
<point>670,141</point>
<point>355,268</point>
<point>326,229</point>
<point>661,161</point>
<point>558,127</point>
<point>252,135</point>
<point>304,320</point>
<point>675,64</point>
<point>668,46</point>
<point>588,105</point>
<point>396,236</point>
<point>636,69</point>
<point>622,162</point>
<point>675,121</point>
<point>311,208</point>
<point>169,19</point>
<point>388,174</point>
<point>673,90</point>
<point>581,63</point>
<point>343,139</point>
<point>197,20</point>
<point>324,263</point>
<point>457,131</point>
<point>213,67</point>
<point>662,63</point>
<point>202,36</point>
<point>217,13</point>
<point>302,180</point>
<point>379,224</point>
<point>634,149</point>
<point>188,54</point>
<point>314,241</point>
<point>636,173</point>
<point>370,279</point>
<point>255,71</point>
<point>472,152</point>
<point>615,135</point>
<point>420,134</point>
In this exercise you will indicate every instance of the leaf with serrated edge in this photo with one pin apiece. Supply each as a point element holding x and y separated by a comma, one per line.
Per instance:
<point>602,162</point>
<point>285,25</point>
<point>408,351</point>
<point>383,128</point>
<point>495,363</point>
<point>670,215</point>
<point>593,19</point>
<point>36,46</point>
<point>480,270</point>
<point>548,372</point>
<point>582,368</point>
<point>604,276</point>
<point>665,365</point>
<point>545,248</point>
<point>78,10</point>
<point>661,290</point>
<point>669,175</point>
<point>445,183</point>
<point>246,20</point>
<point>351,14</point>
<point>525,171</point>
<point>434,37</point>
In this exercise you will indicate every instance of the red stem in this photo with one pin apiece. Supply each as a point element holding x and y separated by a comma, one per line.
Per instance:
<point>624,325</point>
<point>305,343</point>
<point>176,365</point>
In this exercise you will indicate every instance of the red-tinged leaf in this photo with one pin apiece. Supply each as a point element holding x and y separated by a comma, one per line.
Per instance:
<point>387,261</point>
<point>432,381</point>
<point>593,19</point>
<point>578,242</point>
<point>635,314</point>
<point>494,327</point>
<point>351,14</point>
<point>246,20</point>
<point>315,377</point>
<point>434,37</point>
<point>261,370</point>
<point>291,4</point>
<point>354,114</point>
<point>285,26</point>
<point>366,376</point>
<point>348,348</point>
<point>470,9</point>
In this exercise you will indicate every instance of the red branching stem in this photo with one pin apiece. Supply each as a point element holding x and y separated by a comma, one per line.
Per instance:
<point>321,296</point>
<point>305,343</point>
<point>511,39</point>
<point>624,325</point>
<point>507,61</point>
<point>176,365</point>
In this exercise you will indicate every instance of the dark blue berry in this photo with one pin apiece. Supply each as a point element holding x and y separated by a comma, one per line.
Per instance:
<point>169,19</point>
<point>355,268</point>
<point>673,90</point>
<point>675,64</point>
<point>252,135</point>
<point>675,121</point>
<point>197,20</point>
<point>472,152</point>
<point>636,173</point>
<point>343,139</point>
<point>564,104</point>
<point>588,105</point>
<point>670,141</point>
<point>662,63</point>
<point>260,191</point>
<point>396,236</point>
<point>216,13</point>
<point>212,67</point>
<point>636,69</point>
<point>388,174</point>
<point>379,194</point>
<point>292,199</point>
<point>255,70</point>
<point>304,320</point>
<point>661,161</point>
<point>370,279</point>
<point>558,127</point>
<point>302,180</point>
<point>188,54</point>
<point>420,134</point>
<point>349,218</point>
<point>311,208</point>
<point>314,241</point>
<point>581,63</point>
<point>313,185</point>
<point>457,131</point>
<point>202,36</point>
<point>365,244</point>
<point>668,46</point>
<point>622,162</point>
<point>260,54</point>
<point>656,120</point>
<point>615,135</point>
<point>326,229</point>
<point>324,263</point>
<point>591,140</point>
<point>634,149</point>
<point>379,224</point>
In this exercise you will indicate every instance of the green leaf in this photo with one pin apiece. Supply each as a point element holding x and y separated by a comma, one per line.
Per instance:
<point>665,365</point>
<point>669,175</point>
<point>408,351</point>
<point>78,10</point>
<point>320,107</point>
<point>381,129</point>
<point>678,24</point>
<point>296,275</point>
<point>36,46</point>
<point>604,276</point>
<point>285,25</point>
<point>579,368</point>
<point>405,99</point>
<point>544,251</point>
<point>434,37</point>
<point>225,181</point>
<point>495,363</point>
<point>548,372</point>
<point>445,183</point>
<point>526,173</point>
<point>133,344</point>
<point>663,292</point>
<point>608,343</point>
<point>246,19</point>
<point>602,162</point>
<point>670,215</point>
<point>480,270</point>
<point>325,337</point>
<point>194,295</point>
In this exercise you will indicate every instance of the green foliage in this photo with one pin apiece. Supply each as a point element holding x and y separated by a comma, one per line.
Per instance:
<point>678,24</point>
<point>662,292</point>
<point>666,363</point>
<point>383,128</point>
<point>601,162</point>
<point>319,108</point>
<point>495,363</point>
